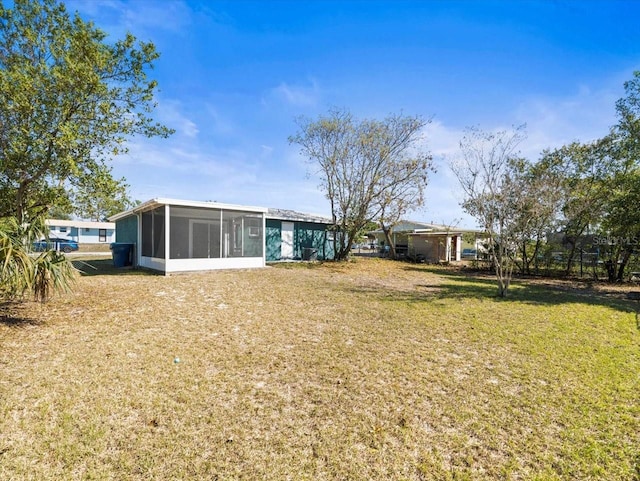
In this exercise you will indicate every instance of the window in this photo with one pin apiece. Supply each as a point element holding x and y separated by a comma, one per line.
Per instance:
<point>102,235</point>
<point>63,229</point>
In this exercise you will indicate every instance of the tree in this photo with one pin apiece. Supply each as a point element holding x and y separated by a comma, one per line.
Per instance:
<point>488,176</point>
<point>22,271</point>
<point>620,227</point>
<point>100,196</point>
<point>620,224</point>
<point>70,101</point>
<point>537,209</point>
<point>369,169</point>
<point>390,147</point>
<point>584,169</point>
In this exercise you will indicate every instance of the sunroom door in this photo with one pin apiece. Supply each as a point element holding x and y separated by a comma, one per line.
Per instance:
<point>204,240</point>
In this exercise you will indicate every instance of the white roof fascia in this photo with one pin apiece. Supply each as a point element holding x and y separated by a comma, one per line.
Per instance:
<point>431,233</point>
<point>208,205</point>
<point>153,203</point>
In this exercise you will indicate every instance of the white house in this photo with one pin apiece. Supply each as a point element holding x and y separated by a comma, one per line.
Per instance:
<point>83,232</point>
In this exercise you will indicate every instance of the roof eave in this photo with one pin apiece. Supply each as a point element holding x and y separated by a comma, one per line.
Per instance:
<point>157,202</point>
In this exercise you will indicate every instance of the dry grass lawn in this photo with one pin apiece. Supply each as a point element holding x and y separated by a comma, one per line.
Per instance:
<point>366,370</point>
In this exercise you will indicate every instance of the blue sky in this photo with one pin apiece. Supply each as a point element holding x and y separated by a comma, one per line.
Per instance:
<point>234,75</point>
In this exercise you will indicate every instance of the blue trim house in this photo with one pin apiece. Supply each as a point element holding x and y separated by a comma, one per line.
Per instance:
<point>82,231</point>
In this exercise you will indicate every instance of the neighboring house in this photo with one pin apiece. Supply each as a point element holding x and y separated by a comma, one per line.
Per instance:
<point>83,232</point>
<point>294,235</point>
<point>172,235</point>
<point>421,240</point>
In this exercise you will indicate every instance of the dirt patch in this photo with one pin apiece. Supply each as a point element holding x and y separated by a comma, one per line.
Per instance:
<point>101,247</point>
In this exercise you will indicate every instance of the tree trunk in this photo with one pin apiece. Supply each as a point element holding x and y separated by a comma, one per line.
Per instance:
<point>525,259</point>
<point>572,253</point>
<point>626,255</point>
<point>390,243</point>
<point>534,256</point>
<point>503,271</point>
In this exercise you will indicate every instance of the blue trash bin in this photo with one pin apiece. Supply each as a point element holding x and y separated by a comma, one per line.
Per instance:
<point>122,253</point>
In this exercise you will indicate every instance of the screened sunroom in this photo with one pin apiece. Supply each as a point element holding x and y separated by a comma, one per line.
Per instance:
<point>179,236</point>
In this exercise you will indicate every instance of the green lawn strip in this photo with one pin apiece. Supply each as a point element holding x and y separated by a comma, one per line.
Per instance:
<point>572,368</point>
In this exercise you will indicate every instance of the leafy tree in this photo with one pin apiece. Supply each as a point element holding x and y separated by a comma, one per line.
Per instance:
<point>628,109</point>
<point>487,172</point>
<point>100,196</point>
<point>621,220</point>
<point>70,100</point>
<point>583,170</point>
<point>620,228</point>
<point>370,169</point>
<point>538,206</point>
<point>61,210</point>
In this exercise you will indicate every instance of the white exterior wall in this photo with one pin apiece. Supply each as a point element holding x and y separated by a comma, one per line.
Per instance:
<point>169,266</point>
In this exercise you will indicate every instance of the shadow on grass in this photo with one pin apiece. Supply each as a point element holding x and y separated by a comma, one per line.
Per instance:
<point>10,316</point>
<point>17,322</point>
<point>460,285</point>
<point>105,267</point>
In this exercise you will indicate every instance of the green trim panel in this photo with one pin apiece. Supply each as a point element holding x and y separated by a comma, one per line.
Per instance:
<point>273,240</point>
<point>305,235</point>
<point>127,229</point>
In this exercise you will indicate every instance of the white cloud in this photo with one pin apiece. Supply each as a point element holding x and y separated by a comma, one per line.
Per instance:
<point>297,95</point>
<point>141,17</point>
<point>169,112</point>
<point>268,172</point>
<point>217,122</point>
<point>552,122</point>
<point>154,169</point>
<point>442,141</point>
